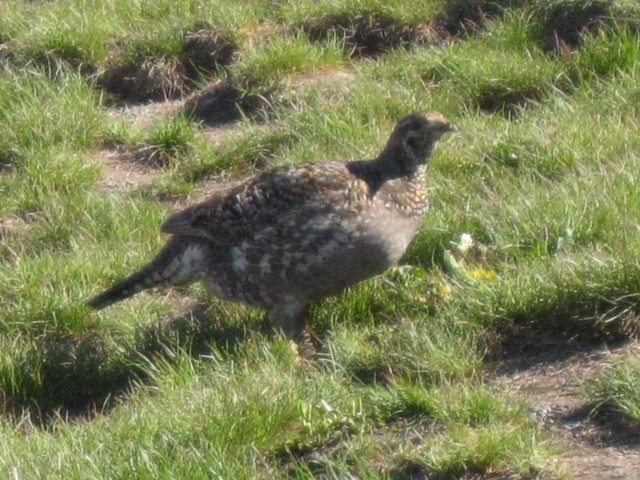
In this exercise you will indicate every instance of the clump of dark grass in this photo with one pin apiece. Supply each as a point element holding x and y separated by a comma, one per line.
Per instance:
<point>254,85</point>
<point>517,79</point>
<point>207,50</point>
<point>143,79</point>
<point>158,70</point>
<point>562,24</point>
<point>366,33</point>
<point>464,17</point>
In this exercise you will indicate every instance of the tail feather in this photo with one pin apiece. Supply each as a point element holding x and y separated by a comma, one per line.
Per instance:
<point>175,265</point>
<point>125,288</point>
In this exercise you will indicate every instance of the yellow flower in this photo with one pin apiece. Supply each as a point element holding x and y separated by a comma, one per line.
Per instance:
<point>483,274</point>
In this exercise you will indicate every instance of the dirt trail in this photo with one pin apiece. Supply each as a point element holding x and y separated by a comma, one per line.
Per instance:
<point>120,171</point>
<point>593,445</point>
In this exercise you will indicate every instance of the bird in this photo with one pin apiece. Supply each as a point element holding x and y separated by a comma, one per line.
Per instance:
<point>290,236</point>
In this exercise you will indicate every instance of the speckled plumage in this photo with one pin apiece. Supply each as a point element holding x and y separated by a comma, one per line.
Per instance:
<point>293,235</point>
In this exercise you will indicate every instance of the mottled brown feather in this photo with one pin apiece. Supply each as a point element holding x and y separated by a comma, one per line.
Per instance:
<point>267,198</point>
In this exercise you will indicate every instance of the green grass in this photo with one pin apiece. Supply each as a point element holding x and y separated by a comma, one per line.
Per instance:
<point>543,176</point>
<point>167,141</point>
<point>618,387</point>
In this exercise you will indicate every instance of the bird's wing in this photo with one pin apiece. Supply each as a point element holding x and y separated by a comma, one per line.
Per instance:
<point>270,198</point>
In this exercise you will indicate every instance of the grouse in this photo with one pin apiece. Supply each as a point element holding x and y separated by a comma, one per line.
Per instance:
<point>290,236</point>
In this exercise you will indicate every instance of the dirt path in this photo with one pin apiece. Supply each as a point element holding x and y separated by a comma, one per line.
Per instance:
<point>120,171</point>
<point>593,445</point>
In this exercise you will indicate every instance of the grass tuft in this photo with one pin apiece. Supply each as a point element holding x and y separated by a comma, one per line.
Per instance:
<point>608,53</point>
<point>618,388</point>
<point>167,142</point>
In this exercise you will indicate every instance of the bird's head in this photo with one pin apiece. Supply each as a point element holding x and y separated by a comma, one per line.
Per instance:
<point>415,136</point>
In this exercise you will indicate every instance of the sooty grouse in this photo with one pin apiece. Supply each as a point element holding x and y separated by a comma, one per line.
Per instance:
<point>293,235</point>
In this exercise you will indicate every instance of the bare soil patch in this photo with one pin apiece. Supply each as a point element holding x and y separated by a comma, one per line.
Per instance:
<point>121,171</point>
<point>595,442</point>
<point>144,115</point>
<point>337,80</point>
<point>125,167</point>
<point>220,134</point>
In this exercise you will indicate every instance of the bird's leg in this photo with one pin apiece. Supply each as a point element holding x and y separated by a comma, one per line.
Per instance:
<point>291,321</point>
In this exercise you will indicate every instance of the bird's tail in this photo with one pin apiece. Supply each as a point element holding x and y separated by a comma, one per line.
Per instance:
<point>176,264</point>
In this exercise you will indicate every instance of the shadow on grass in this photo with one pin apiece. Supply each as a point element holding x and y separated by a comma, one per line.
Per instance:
<point>509,102</point>
<point>563,24</point>
<point>310,457</point>
<point>606,424</point>
<point>464,17</point>
<point>62,376</point>
<point>582,320</point>
<point>78,376</point>
<point>371,32</point>
<point>416,470</point>
<point>367,33</point>
<point>193,331</point>
<point>227,101</point>
<point>522,347</point>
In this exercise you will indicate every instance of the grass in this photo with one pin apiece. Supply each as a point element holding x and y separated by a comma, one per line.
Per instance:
<point>617,388</point>
<point>542,176</point>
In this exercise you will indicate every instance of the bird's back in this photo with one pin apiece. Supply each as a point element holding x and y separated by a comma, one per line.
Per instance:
<point>262,201</point>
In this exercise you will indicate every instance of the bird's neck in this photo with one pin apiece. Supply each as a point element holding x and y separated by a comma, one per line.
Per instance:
<point>397,161</point>
<point>386,168</point>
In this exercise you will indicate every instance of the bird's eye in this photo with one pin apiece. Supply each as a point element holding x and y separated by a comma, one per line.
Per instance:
<point>413,143</point>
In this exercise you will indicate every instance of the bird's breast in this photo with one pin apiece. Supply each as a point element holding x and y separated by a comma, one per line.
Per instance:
<point>391,231</point>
